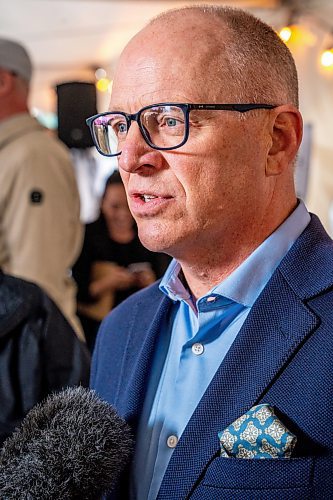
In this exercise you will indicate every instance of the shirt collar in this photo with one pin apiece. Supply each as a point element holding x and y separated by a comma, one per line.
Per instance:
<point>245,283</point>
<point>171,283</point>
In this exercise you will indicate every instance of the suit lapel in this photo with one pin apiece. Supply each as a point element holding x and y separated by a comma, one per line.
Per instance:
<point>278,323</point>
<point>144,330</point>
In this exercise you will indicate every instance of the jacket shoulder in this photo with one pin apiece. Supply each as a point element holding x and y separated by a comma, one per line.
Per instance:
<point>14,291</point>
<point>24,302</point>
<point>311,256</point>
<point>143,304</point>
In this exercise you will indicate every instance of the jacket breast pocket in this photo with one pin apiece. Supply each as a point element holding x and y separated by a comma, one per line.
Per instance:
<point>256,479</point>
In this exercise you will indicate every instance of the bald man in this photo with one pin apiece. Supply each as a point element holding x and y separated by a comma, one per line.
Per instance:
<point>224,368</point>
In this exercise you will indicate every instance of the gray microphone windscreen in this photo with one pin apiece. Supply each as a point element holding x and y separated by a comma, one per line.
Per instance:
<point>72,446</point>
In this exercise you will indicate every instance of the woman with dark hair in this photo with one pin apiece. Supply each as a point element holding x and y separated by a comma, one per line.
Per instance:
<point>113,263</point>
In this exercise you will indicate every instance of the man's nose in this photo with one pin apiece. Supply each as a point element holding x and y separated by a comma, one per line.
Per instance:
<point>136,154</point>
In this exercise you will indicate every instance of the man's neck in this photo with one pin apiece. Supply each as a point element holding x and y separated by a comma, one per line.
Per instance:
<point>201,278</point>
<point>208,265</point>
<point>7,111</point>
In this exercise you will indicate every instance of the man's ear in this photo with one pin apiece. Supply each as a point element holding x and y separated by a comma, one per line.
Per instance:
<point>6,82</point>
<point>286,134</point>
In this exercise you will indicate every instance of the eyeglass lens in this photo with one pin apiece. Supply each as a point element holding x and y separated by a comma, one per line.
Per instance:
<point>162,127</point>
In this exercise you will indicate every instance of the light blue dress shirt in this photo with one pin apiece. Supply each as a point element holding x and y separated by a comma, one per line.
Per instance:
<point>191,347</point>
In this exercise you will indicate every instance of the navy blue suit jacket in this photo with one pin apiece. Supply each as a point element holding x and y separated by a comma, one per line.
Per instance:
<point>283,355</point>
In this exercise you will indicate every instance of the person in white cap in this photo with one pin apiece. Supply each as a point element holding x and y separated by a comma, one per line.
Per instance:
<point>40,229</point>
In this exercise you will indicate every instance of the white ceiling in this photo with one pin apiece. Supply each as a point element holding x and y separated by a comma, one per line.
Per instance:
<point>68,38</point>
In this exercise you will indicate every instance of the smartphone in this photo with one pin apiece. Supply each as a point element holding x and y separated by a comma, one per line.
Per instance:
<point>138,267</point>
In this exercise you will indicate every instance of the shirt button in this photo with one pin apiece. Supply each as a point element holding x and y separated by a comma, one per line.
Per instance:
<point>211,299</point>
<point>172,441</point>
<point>197,349</point>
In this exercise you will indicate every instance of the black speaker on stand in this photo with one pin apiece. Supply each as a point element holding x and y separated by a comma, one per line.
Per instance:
<point>76,102</point>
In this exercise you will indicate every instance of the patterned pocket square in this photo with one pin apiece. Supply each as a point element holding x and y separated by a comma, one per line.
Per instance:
<point>257,434</point>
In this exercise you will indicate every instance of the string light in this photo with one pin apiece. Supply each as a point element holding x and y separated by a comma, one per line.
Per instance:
<point>289,31</point>
<point>326,58</point>
<point>103,84</point>
<point>285,33</point>
<point>295,34</point>
<point>100,73</point>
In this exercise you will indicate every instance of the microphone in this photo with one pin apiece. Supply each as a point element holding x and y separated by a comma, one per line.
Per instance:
<point>71,446</point>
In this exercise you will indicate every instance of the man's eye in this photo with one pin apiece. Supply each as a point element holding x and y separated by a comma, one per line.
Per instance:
<point>171,122</point>
<point>121,127</point>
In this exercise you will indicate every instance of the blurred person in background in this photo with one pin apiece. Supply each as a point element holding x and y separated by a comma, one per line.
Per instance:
<point>113,263</point>
<point>39,351</point>
<point>40,229</point>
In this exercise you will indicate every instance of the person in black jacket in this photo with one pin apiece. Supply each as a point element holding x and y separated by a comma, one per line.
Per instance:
<point>39,351</point>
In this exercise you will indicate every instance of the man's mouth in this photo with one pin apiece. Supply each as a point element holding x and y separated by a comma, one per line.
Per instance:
<point>148,203</point>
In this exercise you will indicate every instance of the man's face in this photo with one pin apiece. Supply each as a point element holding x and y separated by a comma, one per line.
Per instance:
<point>211,189</point>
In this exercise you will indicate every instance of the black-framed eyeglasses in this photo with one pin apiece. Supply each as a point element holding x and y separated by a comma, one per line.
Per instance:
<point>164,126</point>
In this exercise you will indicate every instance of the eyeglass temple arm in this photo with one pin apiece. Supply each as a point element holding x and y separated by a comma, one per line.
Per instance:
<point>242,108</point>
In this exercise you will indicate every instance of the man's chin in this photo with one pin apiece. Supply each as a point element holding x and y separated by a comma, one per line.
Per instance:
<point>154,240</point>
